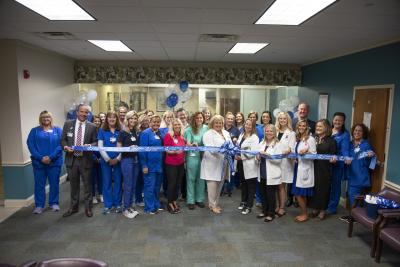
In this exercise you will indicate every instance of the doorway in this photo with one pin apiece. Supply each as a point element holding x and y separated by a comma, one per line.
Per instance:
<point>372,105</point>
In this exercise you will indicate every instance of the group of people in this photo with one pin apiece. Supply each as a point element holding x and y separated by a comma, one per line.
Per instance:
<point>128,179</point>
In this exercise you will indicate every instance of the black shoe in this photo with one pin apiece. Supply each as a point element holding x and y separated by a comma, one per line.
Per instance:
<point>200,204</point>
<point>70,212</point>
<point>346,218</point>
<point>246,211</point>
<point>191,206</point>
<point>89,213</point>
<point>242,206</point>
<point>295,204</point>
<point>171,209</point>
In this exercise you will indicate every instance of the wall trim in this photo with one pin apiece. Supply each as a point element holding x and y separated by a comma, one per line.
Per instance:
<point>21,203</point>
<point>23,164</point>
<point>392,185</point>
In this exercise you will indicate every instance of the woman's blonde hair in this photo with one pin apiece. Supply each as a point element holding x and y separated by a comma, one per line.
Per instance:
<point>45,113</point>
<point>289,120</point>
<point>171,127</point>
<point>216,118</point>
<point>128,116</point>
<point>306,134</point>
<point>164,116</point>
<point>274,130</point>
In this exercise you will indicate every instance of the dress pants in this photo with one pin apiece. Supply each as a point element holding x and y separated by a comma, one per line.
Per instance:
<point>174,176</point>
<point>139,185</point>
<point>268,197</point>
<point>75,172</point>
<point>151,189</point>
<point>195,186</point>
<point>213,191</point>
<point>112,184</point>
<point>129,168</point>
<point>40,176</point>
<point>97,180</point>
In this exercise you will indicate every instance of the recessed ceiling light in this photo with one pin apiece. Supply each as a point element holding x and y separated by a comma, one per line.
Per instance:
<point>292,12</point>
<point>57,9</point>
<point>111,46</point>
<point>247,48</point>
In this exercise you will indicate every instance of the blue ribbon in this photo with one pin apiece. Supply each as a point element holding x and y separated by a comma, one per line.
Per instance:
<point>387,203</point>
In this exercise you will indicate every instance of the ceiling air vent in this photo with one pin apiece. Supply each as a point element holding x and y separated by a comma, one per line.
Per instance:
<point>56,35</point>
<point>219,38</point>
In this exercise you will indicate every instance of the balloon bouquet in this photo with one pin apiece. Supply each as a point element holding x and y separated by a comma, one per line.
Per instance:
<point>85,97</point>
<point>176,93</point>
<point>288,105</point>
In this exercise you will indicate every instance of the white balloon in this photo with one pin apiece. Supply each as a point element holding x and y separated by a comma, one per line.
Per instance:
<point>282,105</point>
<point>168,91</point>
<point>91,95</point>
<point>294,100</point>
<point>276,112</point>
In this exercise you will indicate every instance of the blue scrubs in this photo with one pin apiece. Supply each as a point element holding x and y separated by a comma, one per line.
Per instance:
<point>153,161</point>
<point>358,171</point>
<point>112,176</point>
<point>46,143</point>
<point>342,143</point>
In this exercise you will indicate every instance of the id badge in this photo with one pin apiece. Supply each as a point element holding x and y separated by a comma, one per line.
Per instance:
<point>157,137</point>
<point>175,141</point>
<point>70,134</point>
<point>357,149</point>
<point>50,131</point>
<point>133,139</point>
<point>113,139</point>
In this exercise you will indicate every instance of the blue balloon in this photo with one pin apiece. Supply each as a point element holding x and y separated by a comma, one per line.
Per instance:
<point>291,114</point>
<point>172,100</point>
<point>183,86</point>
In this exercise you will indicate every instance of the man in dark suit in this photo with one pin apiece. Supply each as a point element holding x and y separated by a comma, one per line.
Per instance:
<point>79,132</point>
<point>302,114</point>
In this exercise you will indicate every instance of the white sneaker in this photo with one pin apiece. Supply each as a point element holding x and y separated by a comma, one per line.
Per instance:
<point>130,213</point>
<point>140,204</point>
<point>101,198</point>
<point>95,200</point>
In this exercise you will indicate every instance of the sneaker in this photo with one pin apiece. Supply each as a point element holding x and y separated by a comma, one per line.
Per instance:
<point>95,200</point>
<point>346,218</point>
<point>241,206</point>
<point>101,198</point>
<point>191,206</point>
<point>200,204</point>
<point>140,204</point>
<point>259,205</point>
<point>130,213</point>
<point>152,212</point>
<point>106,211</point>
<point>55,208</point>
<point>246,211</point>
<point>38,210</point>
<point>118,209</point>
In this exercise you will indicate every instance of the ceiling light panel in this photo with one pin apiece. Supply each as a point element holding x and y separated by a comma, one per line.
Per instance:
<point>292,12</point>
<point>57,9</point>
<point>111,46</point>
<point>247,48</point>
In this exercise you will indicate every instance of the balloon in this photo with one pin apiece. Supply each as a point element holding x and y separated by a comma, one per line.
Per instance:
<point>71,106</point>
<point>169,90</point>
<point>295,100</point>
<point>172,100</point>
<point>91,95</point>
<point>295,115</point>
<point>183,97</point>
<point>291,114</point>
<point>276,112</point>
<point>183,86</point>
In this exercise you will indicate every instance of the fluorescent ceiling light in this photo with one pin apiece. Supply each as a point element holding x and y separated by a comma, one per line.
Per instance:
<point>57,9</point>
<point>247,48</point>
<point>111,46</point>
<point>292,12</point>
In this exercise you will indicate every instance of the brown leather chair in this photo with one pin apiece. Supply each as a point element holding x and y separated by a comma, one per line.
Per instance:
<point>389,233</point>
<point>72,262</point>
<point>359,214</point>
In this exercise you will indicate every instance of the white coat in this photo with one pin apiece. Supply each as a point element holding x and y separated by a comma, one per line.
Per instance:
<point>305,169</point>
<point>212,164</point>
<point>250,166</point>
<point>287,142</point>
<point>273,166</point>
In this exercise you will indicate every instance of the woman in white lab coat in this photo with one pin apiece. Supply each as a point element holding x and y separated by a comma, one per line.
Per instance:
<point>287,140</point>
<point>303,182</point>
<point>214,167</point>
<point>247,166</point>
<point>269,172</point>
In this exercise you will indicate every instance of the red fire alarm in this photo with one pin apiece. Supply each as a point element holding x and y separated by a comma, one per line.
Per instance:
<point>27,75</point>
